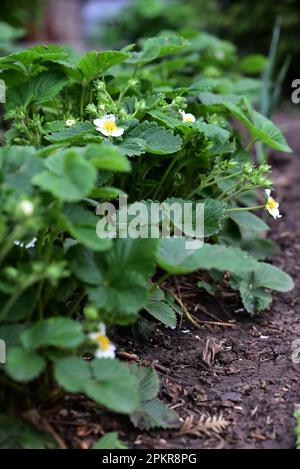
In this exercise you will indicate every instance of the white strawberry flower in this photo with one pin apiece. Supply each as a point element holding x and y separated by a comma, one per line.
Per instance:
<point>187,117</point>
<point>108,127</point>
<point>272,206</point>
<point>105,349</point>
<point>70,122</point>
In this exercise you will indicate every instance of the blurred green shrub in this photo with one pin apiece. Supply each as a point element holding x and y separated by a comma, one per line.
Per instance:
<point>145,19</point>
<point>8,34</point>
<point>250,25</point>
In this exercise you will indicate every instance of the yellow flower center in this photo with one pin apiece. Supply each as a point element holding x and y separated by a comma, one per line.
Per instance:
<point>271,204</point>
<point>188,119</point>
<point>103,342</point>
<point>109,126</point>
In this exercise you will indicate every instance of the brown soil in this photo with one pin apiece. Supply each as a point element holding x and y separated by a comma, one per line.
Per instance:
<point>241,370</point>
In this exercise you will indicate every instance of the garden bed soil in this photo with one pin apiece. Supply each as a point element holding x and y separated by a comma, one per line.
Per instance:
<point>234,369</point>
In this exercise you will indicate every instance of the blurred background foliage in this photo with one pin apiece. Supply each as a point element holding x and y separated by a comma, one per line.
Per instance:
<point>247,24</point>
<point>112,24</point>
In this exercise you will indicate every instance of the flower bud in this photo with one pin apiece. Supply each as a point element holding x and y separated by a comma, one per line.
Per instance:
<point>90,311</point>
<point>25,208</point>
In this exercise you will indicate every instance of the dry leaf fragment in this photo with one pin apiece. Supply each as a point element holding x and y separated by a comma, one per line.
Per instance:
<point>206,425</point>
<point>212,348</point>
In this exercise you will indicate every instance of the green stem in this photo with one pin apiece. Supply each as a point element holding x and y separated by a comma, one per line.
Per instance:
<point>233,194</point>
<point>244,189</point>
<point>228,191</point>
<point>76,303</point>
<point>165,176</point>
<point>9,244</point>
<point>162,278</point>
<point>248,147</point>
<point>82,98</point>
<point>47,257</point>
<point>241,209</point>
<point>212,183</point>
<point>13,298</point>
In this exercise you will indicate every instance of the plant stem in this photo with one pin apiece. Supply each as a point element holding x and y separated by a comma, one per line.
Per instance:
<point>248,147</point>
<point>13,298</point>
<point>209,184</point>
<point>165,176</point>
<point>15,234</point>
<point>241,209</point>
<point>227,191</point>
<point>162,278</point>
<point>82,97</point>
<point>76,303</point>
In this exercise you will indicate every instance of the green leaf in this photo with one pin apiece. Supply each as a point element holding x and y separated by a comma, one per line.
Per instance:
<point>161,310</point>
<point>109,441</point>
<point>151,413</point>
<point>39,89</point>
<point>14,434</point>
<point>122,299</point>
<point>228,101</point>
<point>36,54</point>
<point>113,386</point>
<point>255,299</point>
<point>118,278</point>
<point>161,46</point>
<point>253,64</point>
<point>132,146</point>
<point>213,132</point>
<point>158,140</point>
<point>260,248</point>
<point>107,157</point>
<point>264,130</point>
<point>71,373</point>
<point>68,176</point>
<point>23,365</point>
<point>252,286</point>
<point>106,193</point>
<point>174,257</point>
<point>154,414</point>
<point>84,264</point>
<point>21,308</point>
<point>81,224</point>
<point>10,333</point>
<point>260,127</point>
<point>92,64</point>
<point>19,165</point>
<point>9,33</point>
<point>147,382</point>
<point>55,331</point>
<point>72,135</point>
<point>213,214</point>
<point>247,221</point>
<point>269,276</point>
<point>169,119</point>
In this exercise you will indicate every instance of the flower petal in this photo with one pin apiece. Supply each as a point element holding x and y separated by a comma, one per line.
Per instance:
<point>93,335</point>
<point>102,328</point>
<point>98,122</point>
<point>268,192</point>
<point>103,131</point>
<point>117,132</point>
<point>110,117</point>
<point>109,353</point>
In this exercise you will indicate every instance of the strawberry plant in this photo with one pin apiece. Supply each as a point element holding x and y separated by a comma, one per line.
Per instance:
<point>154,124</point>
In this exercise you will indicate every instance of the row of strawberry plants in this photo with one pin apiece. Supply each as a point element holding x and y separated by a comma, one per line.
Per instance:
<point>79,131</point>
